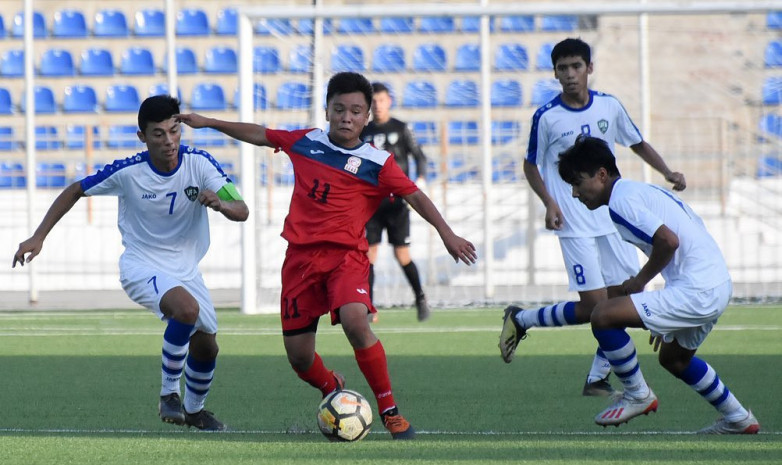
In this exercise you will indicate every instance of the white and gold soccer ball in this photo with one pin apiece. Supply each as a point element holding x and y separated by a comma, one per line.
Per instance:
<point>344,415</point>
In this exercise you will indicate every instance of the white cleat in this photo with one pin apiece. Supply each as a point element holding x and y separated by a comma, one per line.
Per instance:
<point>748,425</point>
<point>627,408</point>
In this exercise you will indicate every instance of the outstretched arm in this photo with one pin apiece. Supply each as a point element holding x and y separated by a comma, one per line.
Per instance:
<point>61,205</point>
<point>245,132</point>
<point>458,247</point>
<point>554,217</point>
<point>651,157</point>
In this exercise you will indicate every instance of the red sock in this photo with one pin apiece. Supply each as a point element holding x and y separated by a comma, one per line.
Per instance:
<point>372,362</point>
<point>318,376</point>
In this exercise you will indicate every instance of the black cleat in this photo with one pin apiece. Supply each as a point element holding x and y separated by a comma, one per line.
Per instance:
<point>512,333</point>
<point>170,409</point>
<point>600,388</point>
<point>422,307</point>
<point>204,420</point>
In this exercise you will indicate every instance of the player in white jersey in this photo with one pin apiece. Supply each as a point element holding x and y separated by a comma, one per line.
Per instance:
<point>595,257</point>
<point>163,193</point>
<point>679,316</point>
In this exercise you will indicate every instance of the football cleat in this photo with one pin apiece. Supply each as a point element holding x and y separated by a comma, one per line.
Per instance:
<point>397,425</point>
<point>627,408</point>
<point>422,308</point>
<point>748,425</point>
<point>170,409</point>
<point>600,388</point>
<point>512,333</point>
<point>340,382</point>
<point>204,420</point>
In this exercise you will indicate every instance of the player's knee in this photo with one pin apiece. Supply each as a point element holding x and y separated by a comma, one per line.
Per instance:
<point>204,346</point>
<point>599,318</point>
<point>299,362</point>
<point>671,362</point>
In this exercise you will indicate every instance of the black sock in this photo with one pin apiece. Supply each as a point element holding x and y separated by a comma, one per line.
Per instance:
<point>411,272</point>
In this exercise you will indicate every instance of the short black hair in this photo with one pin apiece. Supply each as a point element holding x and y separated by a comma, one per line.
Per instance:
<point>378,87</point>
<point>571,47</point>
<point>156,109</point>
<point>348,82</point>
<point>587,155</point>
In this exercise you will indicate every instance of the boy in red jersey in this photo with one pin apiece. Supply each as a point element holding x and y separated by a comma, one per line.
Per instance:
<point>339,183</point>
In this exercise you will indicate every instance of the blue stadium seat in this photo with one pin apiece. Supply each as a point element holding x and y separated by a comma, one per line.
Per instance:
<point>544,90</point>
<point>506,93</point>
<point>771,124</point>
<point>459,171</point>
<point>305,26</point>
<point>419,94</point>
<point>260,100</point>
<point>503,132</point>
<point>300,59</point>
<point>503,169</point>
<point>137,61</point>
<point>396,25</point>
<point>511,57</point>
<point>425,132</point>
<point>523,23</point>
<point>39,25</point>
<point>227,23</point>
<point>293,95</point>
<point>110,22</point>
<point>80,99</point>
<point>769,166</point>
<point>220,60</point>
<point>122,97</point>
<point>347,58</point>
<point>7,141</point>
<point>43,98</point>
<point>208,137</point>
<point>774,20</point>
<point>461,93</point>
<point>388,58</point>
<point>162,89</point>
<point>186,62</point>
<point>11,173</point>
<point>76,139</point>
<point>150,22</point>
<point>543,59</point>
<point>773,54</point>
<point>355,26</point>
<point>266,59</point>
<point>274,26</point>
<point>208,96</point>
<point>123,136</point>
<point>192,22</point>
<point>48,174</point>
<point>468,58</point>
<point>46,138</point>
<point>6,104</point>
<point>473,24</point>
<point>436,24</point>
<point>559,23</point>
<point>96,62</point>
<point>3,31</point>
<point>57,62</point>
<point>429,57</point>
<point>69,23</point>
<point>772,90</point>
<point>12,63</point>
<point>463,132</point>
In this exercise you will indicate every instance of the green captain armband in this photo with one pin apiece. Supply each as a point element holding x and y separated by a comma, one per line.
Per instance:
<point>229,193</point>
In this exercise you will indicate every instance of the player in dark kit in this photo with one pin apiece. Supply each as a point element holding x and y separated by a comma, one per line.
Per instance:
<point>393,215</point>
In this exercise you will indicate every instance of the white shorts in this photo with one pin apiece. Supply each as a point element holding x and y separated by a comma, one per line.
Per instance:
<point>687,315</point>
<point>598,262</point>
<point>146,286</point>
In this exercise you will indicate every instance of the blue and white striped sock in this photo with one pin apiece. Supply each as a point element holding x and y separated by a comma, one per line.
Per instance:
<point>601,367</point>
<point>198,380</point>
<point>620,352</point>
<point>560,314</point>
<point>176,340</point>
<point>705,381</point>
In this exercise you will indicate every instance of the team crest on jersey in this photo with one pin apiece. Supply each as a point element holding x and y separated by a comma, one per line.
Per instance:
<point>379,140</point>
<point>602,125</point>
<point>393,138</point>
<point>191,192</point>
<point>353,164</point>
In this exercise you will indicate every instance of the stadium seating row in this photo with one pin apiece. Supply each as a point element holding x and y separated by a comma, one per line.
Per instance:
<point>150,22</point>
<point>386,58</point>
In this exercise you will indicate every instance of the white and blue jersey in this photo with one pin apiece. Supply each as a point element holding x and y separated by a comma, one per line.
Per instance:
<point>161,221</point>
<point>554,129</point>
<point>638,210</point>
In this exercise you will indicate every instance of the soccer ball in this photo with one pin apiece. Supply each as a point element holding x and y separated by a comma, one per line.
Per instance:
<point>344,415</point>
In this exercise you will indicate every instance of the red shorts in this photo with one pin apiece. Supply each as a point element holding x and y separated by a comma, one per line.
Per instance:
<point>316,281</point>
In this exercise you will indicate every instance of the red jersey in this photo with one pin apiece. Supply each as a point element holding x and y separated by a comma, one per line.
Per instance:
<point>336,190</point>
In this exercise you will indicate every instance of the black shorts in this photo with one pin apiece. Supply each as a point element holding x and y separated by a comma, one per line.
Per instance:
<point>394,217</point>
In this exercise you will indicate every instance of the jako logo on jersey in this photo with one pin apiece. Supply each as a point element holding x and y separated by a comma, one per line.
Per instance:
<point>569,133</point>
<point>148,197</point>
<point>315,152</point>
<point>602,125</point>
<point>646,310</point>
<point>361,291</point>
<point>353,164</point>
<point>191,192</point>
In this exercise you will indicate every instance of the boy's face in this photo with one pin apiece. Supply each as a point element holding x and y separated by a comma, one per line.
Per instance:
<point>592,191</point>
<point>347,115</point>
<point>572,72</point>
<point>162,141</point>
<point>381,106</point>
